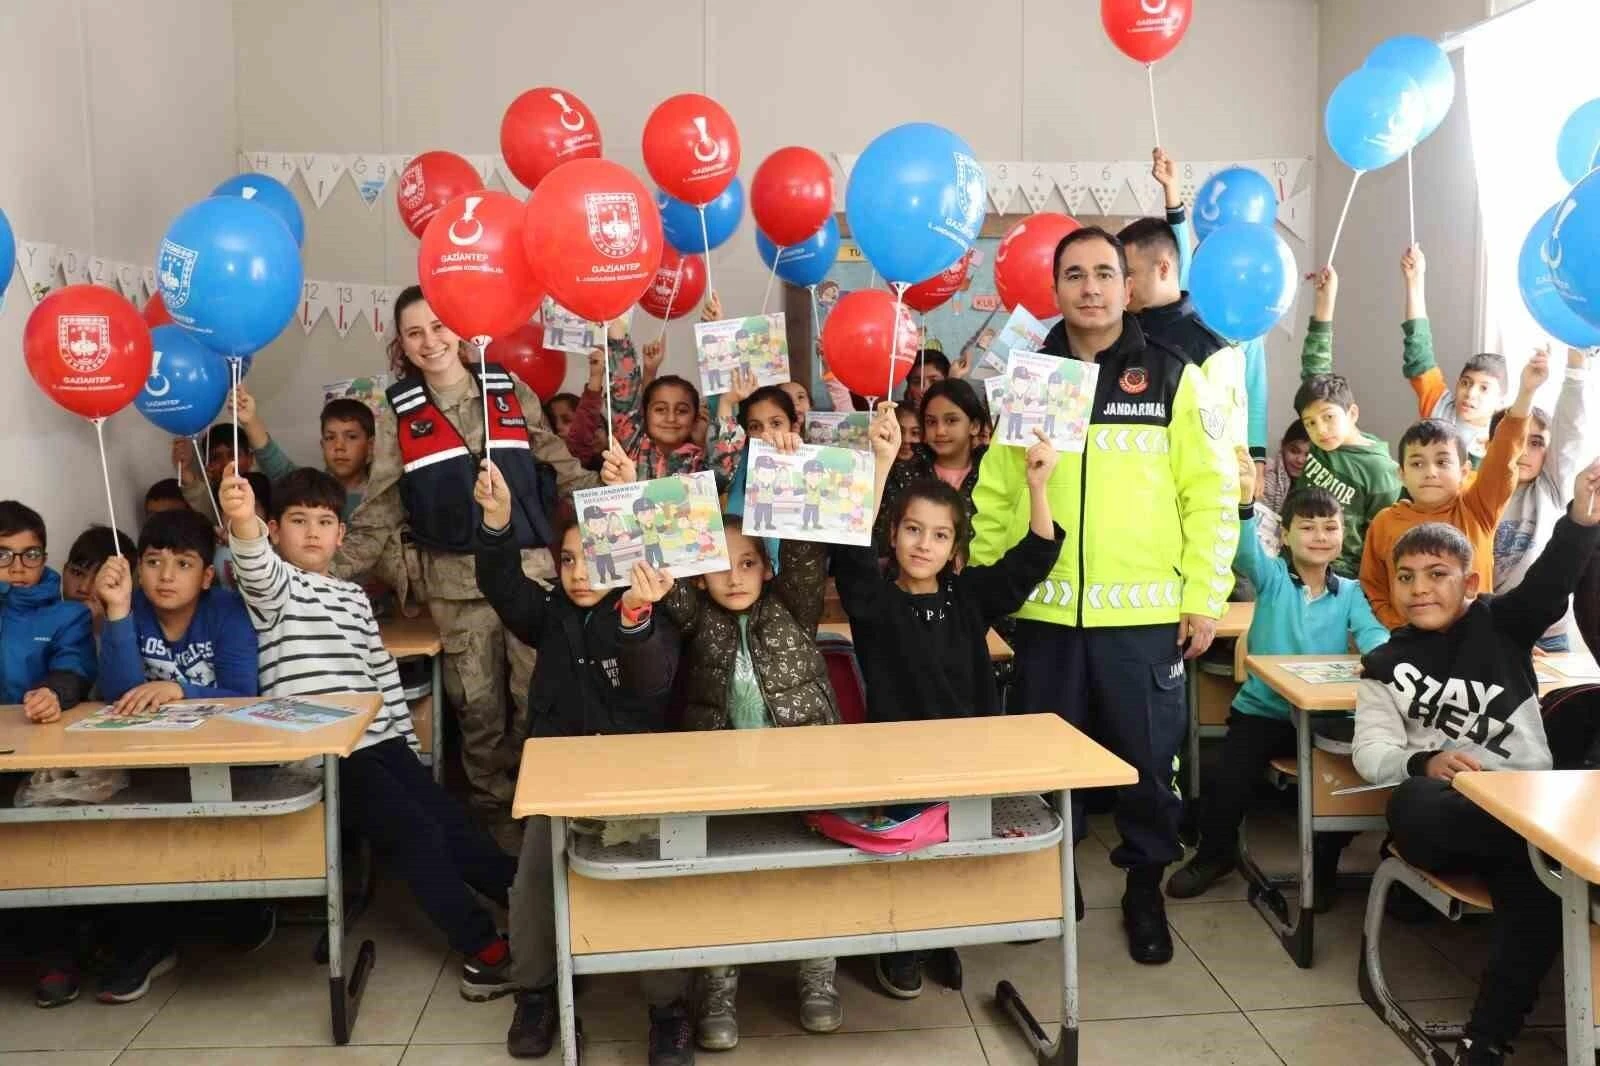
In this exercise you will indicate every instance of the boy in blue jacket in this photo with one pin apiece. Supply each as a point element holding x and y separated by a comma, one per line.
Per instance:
<point>1302,608</point>
<point>46,643</point>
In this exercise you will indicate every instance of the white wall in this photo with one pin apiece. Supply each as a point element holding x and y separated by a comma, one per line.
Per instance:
<point>1020,79</point>
<point>118,116</point>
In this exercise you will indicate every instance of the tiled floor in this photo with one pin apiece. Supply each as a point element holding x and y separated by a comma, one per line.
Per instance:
<point>1230,996</point>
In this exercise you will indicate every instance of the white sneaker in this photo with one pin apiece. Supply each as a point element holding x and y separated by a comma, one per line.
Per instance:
<point>717,1025</point>
<point>820,1009</point>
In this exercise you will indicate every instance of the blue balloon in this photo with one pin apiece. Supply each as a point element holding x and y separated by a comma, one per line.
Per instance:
<point>271,194</point>
<point>1578,145</point>
<point>1235,194</point>
<point>230,273</point>
<point>1426,64</point>
<point>8,253</point>
<point>1242,280</point>
<point>188,383</point>
<point>807,263</point>
<point>1373,117</point>
<point>1539,293</point>
<point>1572,250</point>
<point>915,201</point>
<point>680,222</point>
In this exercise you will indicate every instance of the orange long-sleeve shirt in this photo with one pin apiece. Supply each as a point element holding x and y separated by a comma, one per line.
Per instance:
<point>1476,512</point>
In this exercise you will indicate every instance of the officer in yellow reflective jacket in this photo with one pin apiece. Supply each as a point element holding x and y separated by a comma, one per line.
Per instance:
<point>1150,510</point>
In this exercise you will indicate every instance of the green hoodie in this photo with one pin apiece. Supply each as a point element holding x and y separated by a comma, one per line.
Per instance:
<point>1363,477</point>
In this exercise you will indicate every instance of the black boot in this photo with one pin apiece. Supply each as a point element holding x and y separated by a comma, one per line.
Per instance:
<point>1144,916</point>
<point>533,1025</point>
<point>1478,1052</point>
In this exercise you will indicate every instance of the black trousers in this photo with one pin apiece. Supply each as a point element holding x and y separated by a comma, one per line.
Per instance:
<point>1123,686</point>
<point>427,836</point>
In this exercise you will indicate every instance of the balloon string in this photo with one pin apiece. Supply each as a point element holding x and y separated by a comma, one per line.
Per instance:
<point>1411,198</point>
<point>481,342</point>
<point>894,347</point>
<point>672,299</point>
<point>772,274</point>
<point>1150,79</point>
<point>1339,229</point>
<point>233,373</point>
<point>816,334</point>
<point>205,478</point>
<point>705,239</point>
<point>605,361</point>
<point>105,473</point>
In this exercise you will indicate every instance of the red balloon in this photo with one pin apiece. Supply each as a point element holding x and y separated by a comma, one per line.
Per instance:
<point>430,181</point>
<point>544,128</point>
<point>857,339</point>
<point>155,312</point>
<point>1145,30</point>
<point>88,349</point>
<point>1024,262</point>
<point>472,268</point>
<point>691,148</point>
<point>791,195</point>
<point>594,233</point>
<point>522,352</point>
<point>677,287</point>
<point>924,296</point>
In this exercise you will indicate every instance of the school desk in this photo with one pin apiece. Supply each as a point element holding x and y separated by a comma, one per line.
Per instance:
<point>1555,812</point>
<point>999,650</point>
<point>1320,777</point>
<point>217,819</point>
<point>418,638</point>
<point>1233,625</point>
<point>735,877</point>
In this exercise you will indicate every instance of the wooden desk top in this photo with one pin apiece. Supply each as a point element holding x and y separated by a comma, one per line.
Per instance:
<point>1554,810</point>
<point>408,637</point>
<point>808,767</point>
<point>1235,621</point>
<point>1342,697</point>
<point>217,742</point>
<point>999,650</point>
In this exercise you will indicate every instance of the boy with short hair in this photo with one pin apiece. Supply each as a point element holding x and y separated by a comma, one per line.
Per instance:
<point>1479,392</point>
<point>1354,466</point>
<point>1302,608</point>
<point>347,432</point>
<point>47,659</point>
<point>88,553</point>
<point>217,446</point>
<point>164,495</point>
<point>318,637</point>
<point>1455,691</point>
<point>1434,458</point>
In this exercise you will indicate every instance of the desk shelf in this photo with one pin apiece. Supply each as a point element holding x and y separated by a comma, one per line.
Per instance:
<point>257,791</point>
<point>740,843</point>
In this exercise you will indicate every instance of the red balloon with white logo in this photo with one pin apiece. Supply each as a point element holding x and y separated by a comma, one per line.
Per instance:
<point>155,312</point>
<point>430,181</point>
<point>679,284</point>
<point>1145,30</point>
<point>594,233</point>
<point>691,148</point>
<point>791,195</point>
<point>544,128</point>
<point>472,267</point>
<point>858,337</point>
<point>924,296</point>
<point>88,349</point>
<point>1024,264</point>
<point>522,352</point>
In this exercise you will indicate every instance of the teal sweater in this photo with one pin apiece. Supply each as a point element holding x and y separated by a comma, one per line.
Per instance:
<point>1286,623</point>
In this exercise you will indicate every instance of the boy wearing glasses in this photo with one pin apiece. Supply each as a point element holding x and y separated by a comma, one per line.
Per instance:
<point>47,659</point>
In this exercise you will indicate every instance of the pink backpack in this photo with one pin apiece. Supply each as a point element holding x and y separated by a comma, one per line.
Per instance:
<point>892,830</point>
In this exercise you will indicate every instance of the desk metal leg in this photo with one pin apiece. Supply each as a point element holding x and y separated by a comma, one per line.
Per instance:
<point>1265,894</point>
<point>436,694</point>
<point>1063,1051</point>
<point>1576,976</point>
<point>564,999</point>
<point>344,994</point>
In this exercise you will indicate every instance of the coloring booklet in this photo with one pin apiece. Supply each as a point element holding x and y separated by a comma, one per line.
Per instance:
<point>670,522</point>
<point>759,343</point>
<point>818,493</point>
<point>1022,333</point>
<point>166,718</point>
<point>294,715</point>
<point>840,429</point>
<point>1043,392</point>
<point>994,394</point>
<point>1333,672</point>
<point>566,332</point>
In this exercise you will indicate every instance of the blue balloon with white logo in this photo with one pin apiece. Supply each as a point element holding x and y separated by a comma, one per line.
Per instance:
<point>1234,194</point>
<point>1425,63</point>
<point>1572,250</point>
<point>680,221</point>
<point>1242,280</point>
<point>229,272</point>
<point>1374,116</point>
<point>1543,300</point>
<point>804,264</point>
<point>8,253</point>
<point>915,201</point>
<point>270,193</point>
<point>188,383</point>
<point>1578,144</point>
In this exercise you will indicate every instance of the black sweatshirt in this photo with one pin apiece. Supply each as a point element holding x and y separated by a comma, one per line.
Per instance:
<point>927,656</point>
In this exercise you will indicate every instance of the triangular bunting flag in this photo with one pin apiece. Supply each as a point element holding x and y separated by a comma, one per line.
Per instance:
<point>1295,214</point>
<point>101,272</point>
<point>315,297</point>
<point>147,276</point>
<point>1190,177</point>
<point>75,266</point>
<point>39,263</point>
<point>321,172</point>
<point>369,174</point>
<point>1105,183</point>
<point>343,308</point>
<point>1037,185</point>
<point>279,165</point>
<point>379,309</point>
<point>1147,191</point>
<point>1070,182</point>
<point>128,282</point>
<point>1003,180</point>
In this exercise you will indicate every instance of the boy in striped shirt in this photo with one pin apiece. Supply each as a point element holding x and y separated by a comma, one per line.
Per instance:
<point>318,636</point>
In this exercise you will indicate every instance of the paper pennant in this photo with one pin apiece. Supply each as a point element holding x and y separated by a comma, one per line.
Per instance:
<point>1147,191</point>
<point>369,174</point>
<point>1003,180</point>
<point>1295,214</point>
<point>342,309</point>
<point>127,275</point>
<point>147,275</point>
<point>321,172</point>
<point>1070,183</point>
<point>101,271</point>
<point>40,263</point>
<point>1037,185</point>
<point>1105,181</point>
<point>279,165</point>
<point>379,307</point>
<point>75,266</point>
<point>315,297</point>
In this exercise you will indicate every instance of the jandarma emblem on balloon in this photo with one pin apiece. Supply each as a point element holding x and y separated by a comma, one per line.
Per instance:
<point>156,384</point>
<point>613,223</point>
<point>175,269</point>
<point>84,341</point>
<point>571,118</point>
<point>465,231</point>
<point>969,200</point>
<point>1159,19</point>
<point>412,187</point>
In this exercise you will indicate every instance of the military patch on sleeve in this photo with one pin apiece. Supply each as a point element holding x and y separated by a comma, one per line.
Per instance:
<point>1213,422</point>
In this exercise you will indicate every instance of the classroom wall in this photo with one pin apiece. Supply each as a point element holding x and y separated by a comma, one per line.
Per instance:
<point>1020,79</point>
<point>117,116</point>
<point>1371,297</point>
